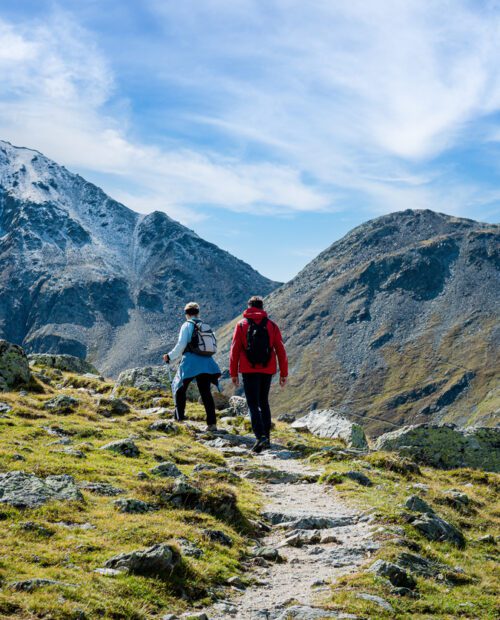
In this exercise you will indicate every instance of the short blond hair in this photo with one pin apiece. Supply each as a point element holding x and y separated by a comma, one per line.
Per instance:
<point>192,308</point>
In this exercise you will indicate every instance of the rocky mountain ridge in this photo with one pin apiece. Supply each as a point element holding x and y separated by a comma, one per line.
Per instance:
<point>82,274</point>
<point>396,324</point>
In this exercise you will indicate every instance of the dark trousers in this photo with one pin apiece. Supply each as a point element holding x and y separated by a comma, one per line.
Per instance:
<point>204,383</point>
<point>257,386</point>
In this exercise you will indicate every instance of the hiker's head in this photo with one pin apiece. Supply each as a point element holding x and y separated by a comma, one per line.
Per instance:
<point>192,309</point>
<point>256,302</point>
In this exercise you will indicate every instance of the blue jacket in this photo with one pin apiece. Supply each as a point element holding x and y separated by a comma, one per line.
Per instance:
<point>191,364</point>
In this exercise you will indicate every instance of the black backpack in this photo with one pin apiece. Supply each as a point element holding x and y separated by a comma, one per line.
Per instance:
<point>258,349</point>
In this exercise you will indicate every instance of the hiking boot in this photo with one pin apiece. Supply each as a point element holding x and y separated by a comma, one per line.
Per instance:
<point>257,446</point>
<point>211,428</point>
<point>265,443</point>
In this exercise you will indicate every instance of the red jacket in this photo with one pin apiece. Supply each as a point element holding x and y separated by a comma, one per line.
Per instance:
<point>238,361</point>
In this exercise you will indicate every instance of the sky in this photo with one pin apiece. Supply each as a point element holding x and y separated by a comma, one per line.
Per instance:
<point>270,127</point>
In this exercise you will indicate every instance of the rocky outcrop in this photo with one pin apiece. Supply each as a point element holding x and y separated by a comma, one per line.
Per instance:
<point>330,424</point>
<point>125,447</point>
<point>23,490</point>
<point>66,363</point>
<point>157,561</point>
<point>446,446</point>
<point>14,367</point>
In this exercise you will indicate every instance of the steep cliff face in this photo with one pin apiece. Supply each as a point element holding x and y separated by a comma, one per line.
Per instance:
<point>397,321</point>
<point>82,274</point>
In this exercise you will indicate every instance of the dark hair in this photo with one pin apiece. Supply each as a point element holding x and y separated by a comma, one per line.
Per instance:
<point>256,302</point>
<point>192,312</point>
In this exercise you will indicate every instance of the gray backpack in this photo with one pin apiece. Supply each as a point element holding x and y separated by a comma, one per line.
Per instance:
<point>203,342</point>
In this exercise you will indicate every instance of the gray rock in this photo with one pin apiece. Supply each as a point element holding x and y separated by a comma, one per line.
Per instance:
<point>195,615</point>
<point>378,600</point>
<point>66,363</point>
<point>236,582</point>
<point>316,523</point>
<point>221,401</point>
<point>73,452</point>
<point>304,612</point>
<point>424,567</point>
<point>14,367</point>
<point>330,424</point>
<point>101,488</point>
<point>417,504</point>
<point>126,447</point>
<point>151,378</point>
<point>164,426</point>
<point>437,529</point>
<point>29,585</point>
<point>446,446</point>
<point>189,549</point>
<point>36,528</point>
<point>239,405</point>
<point>299,538</point>
<point>360,478</point>
<point>24,490</point>
<point>110,407</point>
<point>133,506</point>
<point>183,492</point>
<point>167,469</point>
<point>157,561</point>
<point>108,572</point>
<point>5,408</point>
<point>457,499</point>
<point>267,553</point>
<point>288,418</point>
<point>396,575</point>
<point>62,403</point>
<point>218,536</point>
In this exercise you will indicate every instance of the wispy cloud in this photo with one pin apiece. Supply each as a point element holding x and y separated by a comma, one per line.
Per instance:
<point>314,106</point>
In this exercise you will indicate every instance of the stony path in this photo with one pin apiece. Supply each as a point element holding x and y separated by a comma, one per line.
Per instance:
<point>308,569</point>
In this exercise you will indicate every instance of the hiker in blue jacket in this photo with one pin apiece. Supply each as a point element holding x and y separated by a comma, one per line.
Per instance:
<point>195,364</point>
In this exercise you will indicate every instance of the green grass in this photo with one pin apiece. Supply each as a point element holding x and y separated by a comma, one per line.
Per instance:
<point>71,554</point>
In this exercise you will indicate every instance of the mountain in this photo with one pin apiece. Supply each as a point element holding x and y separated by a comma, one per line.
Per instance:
<point>396,323</point>
<point>82,274</point>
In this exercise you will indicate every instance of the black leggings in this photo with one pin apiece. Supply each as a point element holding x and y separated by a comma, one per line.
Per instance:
<point>257,386</point>
<point>204,383</point>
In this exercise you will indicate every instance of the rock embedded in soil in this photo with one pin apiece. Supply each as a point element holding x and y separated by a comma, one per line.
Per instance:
<point>378,600</point>
<point>125,447</point>
<point>304,612</point>
<point>328,423</point>
<point>130,505</point>
<point>30,585</point>
<point>110,407</point>
<point>14,367</point>
<point>164,426</point>
<point>396,575</point>
<point>417,504</point>
<point>62,404</point>
<point>160,561</point>
<point>360,478</point>
<point>218,536</point>
<point>437,529</point>
<point>166,470</point>
<point>24,490</point>
<point>101,488</point>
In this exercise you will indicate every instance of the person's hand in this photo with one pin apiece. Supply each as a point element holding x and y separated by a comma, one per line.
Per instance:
<point>236,381</point>
<point>283,381</point>
<point>166,359</point>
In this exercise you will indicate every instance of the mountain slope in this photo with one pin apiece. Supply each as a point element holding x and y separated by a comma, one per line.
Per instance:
<point>80,273</point>
<point>397,322</point>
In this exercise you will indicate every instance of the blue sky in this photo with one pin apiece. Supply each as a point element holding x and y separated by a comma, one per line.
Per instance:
<point>270,127</point>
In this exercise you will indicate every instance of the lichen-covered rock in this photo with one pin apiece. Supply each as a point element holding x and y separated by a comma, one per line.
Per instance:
<point>239,405</point>
<point>126,447</point>
<point>132,506</point>
<point>218,536</point>
<point>14,367</point>
<point>110,407</point>
<point>66,363</point>
<point>396,575</point>
<point>417,504</point>
<point>62,403</point>
<point>24,490</point>
<point>30,585</point>
<point>446,446</point>
<point>437,529</point>
<point>330,424</point>
<point>166,470</point>
<point>164,426</point>
<point>153,378</point>
<point>359,477</point>
<point>101,488</point>
<point>157,561</point>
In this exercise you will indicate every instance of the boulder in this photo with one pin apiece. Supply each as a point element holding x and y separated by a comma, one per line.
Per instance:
<point>437,529</point>
<point>299,538</point>
<point>183,493</point>
<point>166,470</point>
<point>66,363</point>
<point>220,399</point>
<point>417,504</point>
<point>446,446</point>
<point>62,403</point>
<point>24,490</point>
<point>151,378</point>
<point>218,536</point>
<point>239,405</point>
<point>428,568</point>
<point>133,506</point>
<point>14,367</point>
<point>126,447</point>
<point>157,561</point>
<point>164,426</point>
<point>330,424</point>
<point>394,573</point>
<point>110,407</point>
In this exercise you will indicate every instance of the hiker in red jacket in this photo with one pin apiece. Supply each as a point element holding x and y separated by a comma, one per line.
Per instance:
<point>256,343</point>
